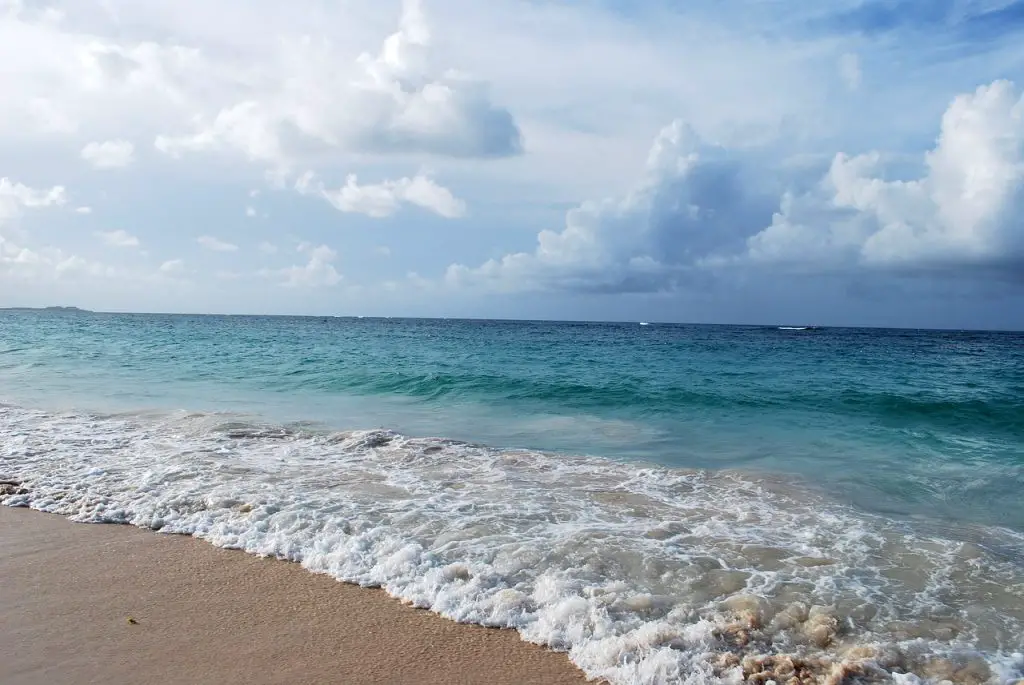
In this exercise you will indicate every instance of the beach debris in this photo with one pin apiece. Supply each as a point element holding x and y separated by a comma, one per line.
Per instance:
<point>747,635</point>
<point>11,487</point>
<point>861,664</point>
<point>821,626</point>
<point>793,670</point>
<point>966,670</point>
<point>132,621</point>
<point>748,616</point>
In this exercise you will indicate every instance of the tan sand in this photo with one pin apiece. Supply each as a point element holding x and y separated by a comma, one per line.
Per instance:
<point>207,615</point>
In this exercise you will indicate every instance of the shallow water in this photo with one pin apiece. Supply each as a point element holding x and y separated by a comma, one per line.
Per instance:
<point>758,505</point>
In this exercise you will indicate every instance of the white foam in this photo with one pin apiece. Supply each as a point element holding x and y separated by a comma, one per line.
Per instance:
<point>642,574</point>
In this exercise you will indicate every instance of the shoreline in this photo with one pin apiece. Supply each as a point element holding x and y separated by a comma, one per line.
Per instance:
<point>91,603</point>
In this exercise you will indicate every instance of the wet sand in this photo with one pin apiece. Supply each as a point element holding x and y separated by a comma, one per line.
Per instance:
<point>114,604</point>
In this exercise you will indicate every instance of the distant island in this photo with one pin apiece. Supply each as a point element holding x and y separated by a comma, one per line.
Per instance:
<point>45,309</point>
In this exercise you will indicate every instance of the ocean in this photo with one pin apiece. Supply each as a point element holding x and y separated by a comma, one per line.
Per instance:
<point>666,503</point>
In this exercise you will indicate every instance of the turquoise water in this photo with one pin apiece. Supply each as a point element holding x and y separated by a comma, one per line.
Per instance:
<point>907,422</point>
<point>661,462</point>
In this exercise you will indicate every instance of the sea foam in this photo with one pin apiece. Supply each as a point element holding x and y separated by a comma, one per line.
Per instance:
<point>642,574</point>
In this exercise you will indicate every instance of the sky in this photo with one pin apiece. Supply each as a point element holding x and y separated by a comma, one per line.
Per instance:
<point>857,162</point>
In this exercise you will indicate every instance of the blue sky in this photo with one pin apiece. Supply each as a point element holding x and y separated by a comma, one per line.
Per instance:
<point>734,161</point>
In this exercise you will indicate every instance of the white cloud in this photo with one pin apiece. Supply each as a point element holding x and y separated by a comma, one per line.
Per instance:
<point>83,210</point>
<point>285,86</point>
<point>250,212</point>
<point>316,272</point>
<point>267,248</point>
<point>18,262</point>
<point>282,85</point>
<point>394,102</point>
<point>849,70</point>
<point>690,202</point>
<point>384,199</point>
<point>118,238</point>
<point>700,208</point>
<point>243,127</point>
<point>65,77</point>
<point>48,264</point>
<point>965,209</point>
<point>16,196</point>
<point>112,154</point>
<point>382,250</point>
<point>24,264</point>
<point>33,266</point>
<point>216,244</point>
<point>172,266</point>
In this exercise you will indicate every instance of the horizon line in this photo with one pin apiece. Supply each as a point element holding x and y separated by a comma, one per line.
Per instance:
<point>82,310</point>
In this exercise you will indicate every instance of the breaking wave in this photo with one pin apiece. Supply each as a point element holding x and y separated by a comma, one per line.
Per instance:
<point>643,574</point>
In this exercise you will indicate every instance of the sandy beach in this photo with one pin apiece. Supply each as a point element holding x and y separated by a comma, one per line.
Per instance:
<point>115,604</point>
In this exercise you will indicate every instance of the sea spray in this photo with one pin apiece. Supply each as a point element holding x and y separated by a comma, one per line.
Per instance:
<point>642,573</point>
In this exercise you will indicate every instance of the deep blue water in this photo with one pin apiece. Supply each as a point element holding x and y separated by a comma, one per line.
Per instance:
<point>899,422</point>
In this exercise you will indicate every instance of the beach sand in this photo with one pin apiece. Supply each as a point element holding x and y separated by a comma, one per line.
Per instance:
<point>114,604</point>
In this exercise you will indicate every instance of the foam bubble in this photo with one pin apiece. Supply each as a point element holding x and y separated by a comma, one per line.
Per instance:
<point>642,574</point>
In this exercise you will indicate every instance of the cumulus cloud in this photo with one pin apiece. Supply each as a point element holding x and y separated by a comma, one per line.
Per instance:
<point>172,266</point>
<point>692,200</point>
<point>383,199</point>
<point>964,210</point>
<point>111,154</point>
<point>274,101</point>
<point>118,238</point>
<point>14,197</point>
<point>18,261</point>
<point>698,210</point>
<point>392,102</point>
<point>38,264</point>
<point>54,265</point>
<point>316,272</point>
<point>63,79</point>
<point>216,244</point>
<point>244,80</point>
<point>24,263</point>
<point>244,127</point>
